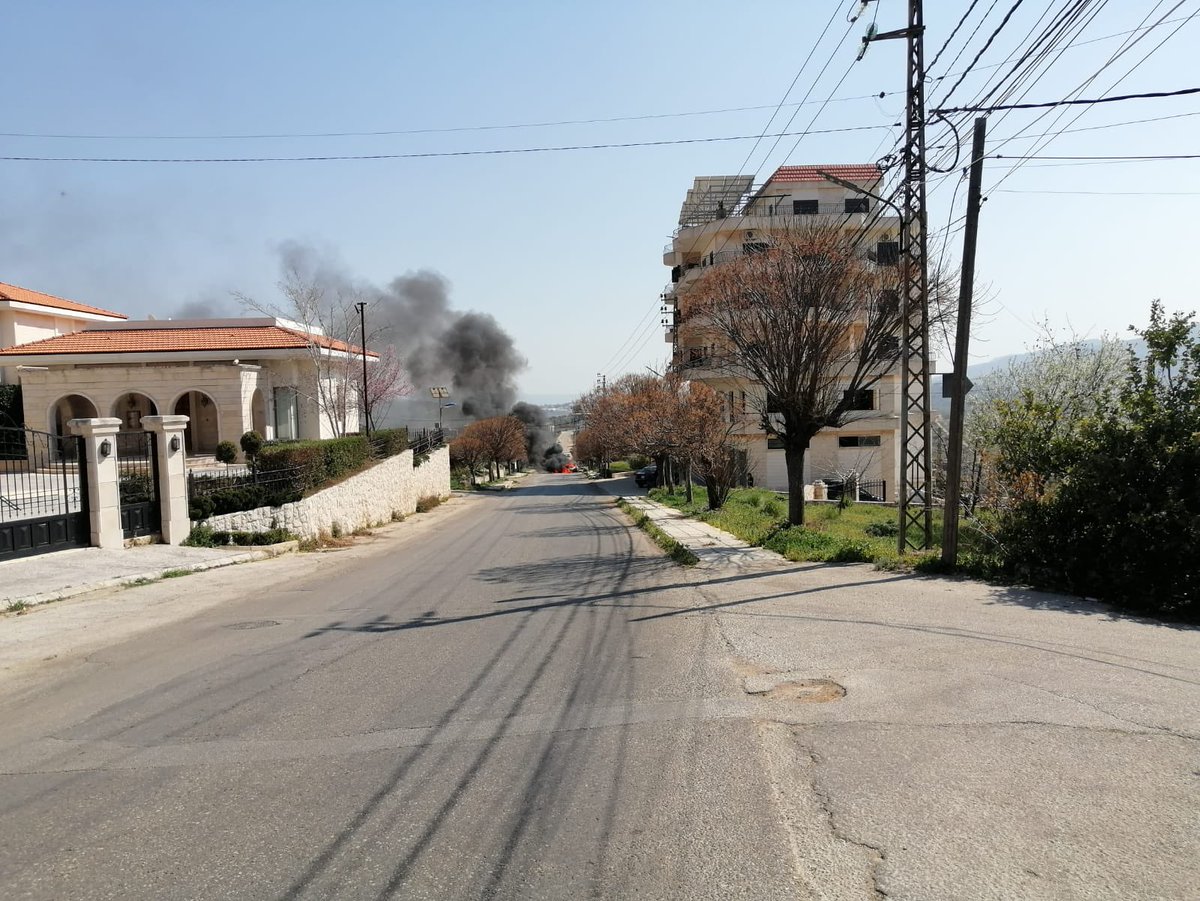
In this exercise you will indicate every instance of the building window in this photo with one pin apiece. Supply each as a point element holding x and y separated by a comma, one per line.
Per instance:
<point>889,347</point>
<point>805,207</point>
<point>755,247</point>
<point>887,253</point>
<point>774,405</point>
<point>774,444</point>
<point>858,441</point>
<point>729,404</point>
<point>860,400</point>
<point>286,414</point>
<point>857,205</point>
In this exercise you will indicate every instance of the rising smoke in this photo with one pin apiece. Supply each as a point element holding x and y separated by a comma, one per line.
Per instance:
<point>539,436</point>
<point>438,345</point>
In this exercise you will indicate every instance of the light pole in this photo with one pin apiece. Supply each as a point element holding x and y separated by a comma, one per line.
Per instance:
<point>362,332</point>
<point>441,407</point>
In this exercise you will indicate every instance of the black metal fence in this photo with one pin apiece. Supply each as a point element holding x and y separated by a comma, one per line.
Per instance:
<point>137,481</point>
<point>210,494</point>
<point>39,474</point>
<point>427,440</point>
<point>871,491</point>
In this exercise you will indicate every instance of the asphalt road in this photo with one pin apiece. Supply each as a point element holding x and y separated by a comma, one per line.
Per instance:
<point>518,696</point>
<point>467,714</point>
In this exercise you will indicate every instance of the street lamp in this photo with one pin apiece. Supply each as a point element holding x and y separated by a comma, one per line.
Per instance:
<point>441,407</point>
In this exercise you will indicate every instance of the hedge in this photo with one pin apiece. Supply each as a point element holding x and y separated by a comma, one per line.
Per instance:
<point>317,462</point>
<point>389,442</point>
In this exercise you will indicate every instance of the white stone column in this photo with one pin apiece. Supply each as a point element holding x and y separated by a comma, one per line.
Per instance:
<point>104,497</point>
<point>170,458</point>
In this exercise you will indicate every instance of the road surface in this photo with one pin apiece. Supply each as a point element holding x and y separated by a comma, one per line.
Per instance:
<point>519,697</point>
<point>469,715</point>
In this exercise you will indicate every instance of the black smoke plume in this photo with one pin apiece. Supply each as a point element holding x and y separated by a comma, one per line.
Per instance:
<point>468,352</point>
<point>538,433</point>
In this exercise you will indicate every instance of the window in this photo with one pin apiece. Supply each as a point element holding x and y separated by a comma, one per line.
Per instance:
<point>858,441</point>
<point>773,404</point>
<point>755,247</point>
<point>887,253</point>
<point>729,404</point>
<point>774,444</point>
<point>889,302</point>
<point>857,205</point>
<point>805,207</point>
<point>889,347</point>
<point>286,419</point>
<point>860,400</point>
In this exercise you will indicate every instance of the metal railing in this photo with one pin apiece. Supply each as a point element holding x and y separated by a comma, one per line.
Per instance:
<point>39,475</point>
<point>427,440</point>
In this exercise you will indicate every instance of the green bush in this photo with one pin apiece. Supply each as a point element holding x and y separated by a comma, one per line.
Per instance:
<point>203,536</point>
<point>12,410</point>
<point>227,452</point>
<point>252,443</point>
<point>389,442</point>
<point>136,488</point>
<point>887,529</point>
<point>620,466</point>
<point>318,462</point>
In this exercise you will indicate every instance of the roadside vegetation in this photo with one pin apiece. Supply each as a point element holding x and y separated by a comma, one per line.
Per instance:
<point>833,533</point>
<point>674,549</point>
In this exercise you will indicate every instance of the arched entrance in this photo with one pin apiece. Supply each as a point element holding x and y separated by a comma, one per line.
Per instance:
<point>202,433</point>
<point>258,412</point>
<point>68,407</point>
<point>131,407</point>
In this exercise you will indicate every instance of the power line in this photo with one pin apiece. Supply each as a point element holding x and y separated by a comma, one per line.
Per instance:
<point>1148,95</point>
<point>1102,193</point>
<point>426,155</point>
<point>1132,158</point>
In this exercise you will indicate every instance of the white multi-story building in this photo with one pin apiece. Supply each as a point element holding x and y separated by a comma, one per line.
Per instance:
<point>724,217</point>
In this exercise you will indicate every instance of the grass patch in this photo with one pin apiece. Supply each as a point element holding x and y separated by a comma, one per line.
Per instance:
<point>427,503</point>
<point>16,607</point>
<point>859,533</point>
<point>674,549</point>
<point>620,466</point>
<point>175,573</point>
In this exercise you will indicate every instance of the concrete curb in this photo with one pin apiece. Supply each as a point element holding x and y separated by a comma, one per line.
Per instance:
<point>264,552</point>
<point>713,547</point>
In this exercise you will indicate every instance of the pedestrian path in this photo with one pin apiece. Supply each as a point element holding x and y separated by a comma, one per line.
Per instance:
<point>64,574</point>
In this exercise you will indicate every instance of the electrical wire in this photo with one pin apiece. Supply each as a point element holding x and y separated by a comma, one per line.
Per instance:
<point>1147,95</point>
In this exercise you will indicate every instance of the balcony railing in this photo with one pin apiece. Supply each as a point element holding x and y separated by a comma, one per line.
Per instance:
<point>781,209</point>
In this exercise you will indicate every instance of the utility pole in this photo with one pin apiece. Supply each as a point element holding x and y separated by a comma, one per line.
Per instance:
<point>362,331</point>
<point>916,455</point>
<point>962,342</point>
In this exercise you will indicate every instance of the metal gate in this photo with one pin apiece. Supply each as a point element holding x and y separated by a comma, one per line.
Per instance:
<point>43,493</point>
<point>137,474</point>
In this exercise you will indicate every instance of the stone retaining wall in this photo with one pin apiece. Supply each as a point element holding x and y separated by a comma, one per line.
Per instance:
<point>390,487</point>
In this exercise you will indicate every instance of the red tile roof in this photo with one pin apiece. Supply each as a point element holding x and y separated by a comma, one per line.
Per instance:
<point>24,295</point>
<point>176,340</point>
<point>859,172</point>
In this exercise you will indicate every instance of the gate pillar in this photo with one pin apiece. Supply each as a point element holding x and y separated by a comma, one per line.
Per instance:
<point>172,475</point>
<point>104,499</point>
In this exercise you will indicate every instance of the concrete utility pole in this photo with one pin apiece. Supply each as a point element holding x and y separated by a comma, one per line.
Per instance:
<point>962,342</point>
<point>362,331</point>
<point>916,454</point>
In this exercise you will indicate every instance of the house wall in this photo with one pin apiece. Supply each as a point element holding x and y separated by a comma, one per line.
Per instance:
<point>390,487</point>
<point>22,326</point>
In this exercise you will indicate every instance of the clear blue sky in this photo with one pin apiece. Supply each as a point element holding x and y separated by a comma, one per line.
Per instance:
<point>563,248</point>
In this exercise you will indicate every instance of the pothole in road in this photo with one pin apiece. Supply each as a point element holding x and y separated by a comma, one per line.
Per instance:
<point>790,687</point>
<point>253,624</point>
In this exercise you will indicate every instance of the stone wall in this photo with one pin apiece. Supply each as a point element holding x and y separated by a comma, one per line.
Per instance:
<point>392,486</point>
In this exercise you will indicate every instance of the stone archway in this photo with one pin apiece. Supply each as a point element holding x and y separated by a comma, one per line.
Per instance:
<point>68,407</point>
<point>131,407</point>
<point>203,430</point>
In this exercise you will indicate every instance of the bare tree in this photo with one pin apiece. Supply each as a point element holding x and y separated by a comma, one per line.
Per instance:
<point>812,323</point>
<point>329,319</point>
<point>468,452</point>
<point>502,439</point>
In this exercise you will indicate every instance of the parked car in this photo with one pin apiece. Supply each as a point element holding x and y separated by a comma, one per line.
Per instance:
<point>647,476</point>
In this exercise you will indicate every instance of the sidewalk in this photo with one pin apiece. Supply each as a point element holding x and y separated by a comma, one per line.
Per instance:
<point>65,574</point>
<point>714,547</point>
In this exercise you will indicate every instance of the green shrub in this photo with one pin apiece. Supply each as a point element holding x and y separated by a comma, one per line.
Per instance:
<point>203,536</point>
<point>227,452</point>
<point>851,551</point>
<point>770,508</point>
<point>318,462</point>
<point>389,442</point>
<point>887,529</point>
<point>252,443</point>
<point>620,466</point>
<point>136,488</point>
<point>12,410</point>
